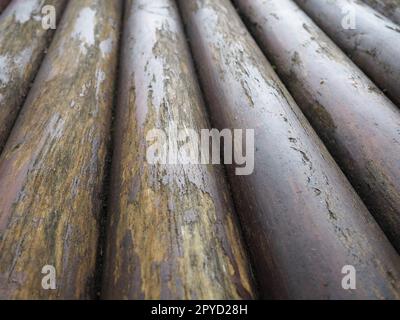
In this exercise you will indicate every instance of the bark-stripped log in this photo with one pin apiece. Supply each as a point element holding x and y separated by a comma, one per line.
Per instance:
<point>302,219</point>
<point>3,4</point>
<point>360,126</point>
<point>389,8</point>
<point>372,42</point>
<point>23,42</point>
<point>51,169</point>
<point>172,232</point>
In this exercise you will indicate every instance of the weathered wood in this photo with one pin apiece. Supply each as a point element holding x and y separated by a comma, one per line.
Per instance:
<point>3,4</point>
<point>374,43</point>
<point>172,231</point>
<point>302,219</point>
<point>23,42</point>
<point>51,169</point>
<point>358,124</point>
<point>389,8</point>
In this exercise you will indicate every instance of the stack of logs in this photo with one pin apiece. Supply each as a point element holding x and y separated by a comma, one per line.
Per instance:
<point>78,193</point>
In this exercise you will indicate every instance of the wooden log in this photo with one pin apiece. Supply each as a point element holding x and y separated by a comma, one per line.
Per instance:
<point>51,169</point>
<point>358,124</point>
<point>172,231</point>
<point>303,221</point>
<point>23,42</point>
<point>3,4</point>
<point>389,8</point>
<point>373,42</point>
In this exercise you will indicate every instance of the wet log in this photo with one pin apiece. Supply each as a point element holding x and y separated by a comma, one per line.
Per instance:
<point>358,124</point>
<point>51,169</point>
<point>372,42</point>
<point>389,8</point>
<point>172,230</point>
<point>3,4</point>
<point>302,220</point>
<point>23,42</point>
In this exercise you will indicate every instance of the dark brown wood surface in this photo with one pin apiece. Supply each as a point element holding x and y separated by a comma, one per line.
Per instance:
<point>373,44</point>
<point>23,42</point>
<point>3,4</point>
<point>172,230</point>
<point>358,124</point>
<point>303,221</point>
<point>52,167</point>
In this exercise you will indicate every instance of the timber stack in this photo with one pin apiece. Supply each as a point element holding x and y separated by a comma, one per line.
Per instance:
<point>199,149</point>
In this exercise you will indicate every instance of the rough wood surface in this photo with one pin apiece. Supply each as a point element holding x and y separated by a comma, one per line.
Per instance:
<point>51,169</point>
<point>359,125</point>
<point>389,8</point>
<point>23,42</point>
<point>172,229</point>
<point>3,4</point>
<point>374,44</point>
<point>303,221</point>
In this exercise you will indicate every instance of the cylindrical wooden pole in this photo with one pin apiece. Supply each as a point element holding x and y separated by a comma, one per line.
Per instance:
<point>389,8</point>
<point>23,42</point>
<point>303,221</point>
<point>52,166</point>
<point>172,232</point>
<point>371,40</point>
<point>359,125</point>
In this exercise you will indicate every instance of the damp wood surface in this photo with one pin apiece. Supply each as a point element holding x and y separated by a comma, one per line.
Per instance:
<point>357,122</point>
<point>373,42</point>
<point>389,8</point>
<point>302,220</point>
<point>23,42</point>
<point>172,230</point>
<point>51,169</point>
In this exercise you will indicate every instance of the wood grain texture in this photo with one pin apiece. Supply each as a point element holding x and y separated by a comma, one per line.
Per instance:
<point>358,124</point>
<point>172,230</point>
<point>23,43</point>
<point>389,8</point>
<point>374,44</point>
<point>3,4</point>
<point>52,166</point>
<point>302,220</point>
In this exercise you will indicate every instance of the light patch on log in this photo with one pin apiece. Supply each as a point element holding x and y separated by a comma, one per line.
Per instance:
<point>29,10</point>
<point>84,28</point>
<point>106,46</point>
<point>4,70</point>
